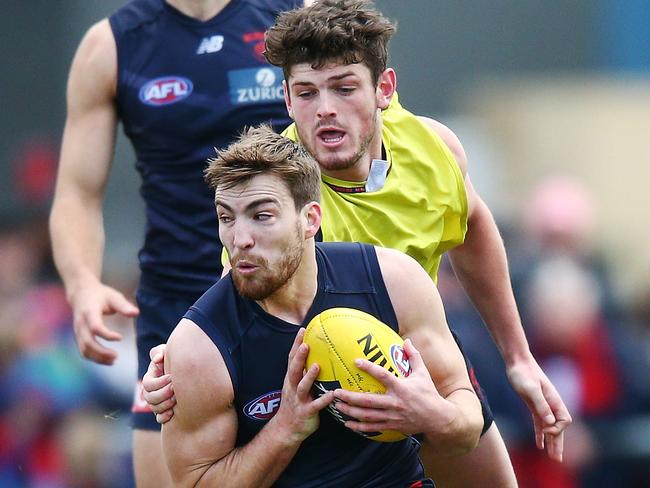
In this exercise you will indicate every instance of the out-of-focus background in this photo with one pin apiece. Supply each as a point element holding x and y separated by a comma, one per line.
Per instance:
<point>552,103</point>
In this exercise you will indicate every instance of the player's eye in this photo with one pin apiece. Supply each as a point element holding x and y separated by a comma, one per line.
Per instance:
<point>224,218</point>
<point>345,90</point>
<point>263,216</point>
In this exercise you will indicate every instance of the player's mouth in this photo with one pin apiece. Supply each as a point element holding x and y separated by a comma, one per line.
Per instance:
<point>244,267</point>
<point>330,137</point>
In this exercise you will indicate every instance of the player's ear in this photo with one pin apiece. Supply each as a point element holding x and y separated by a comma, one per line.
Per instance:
<point>386,86</point>
<point>287,98</point>
<point>313,215</point>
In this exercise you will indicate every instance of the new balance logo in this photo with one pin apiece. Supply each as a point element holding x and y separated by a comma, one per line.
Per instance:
<point>210,45</point>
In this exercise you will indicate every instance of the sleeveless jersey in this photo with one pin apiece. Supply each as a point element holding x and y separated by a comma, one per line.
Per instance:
<point>422,208</point>
<point>255,347</point>
<point>185,87</point>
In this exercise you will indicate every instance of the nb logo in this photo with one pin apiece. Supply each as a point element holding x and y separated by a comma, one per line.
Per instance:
<point>210,45</point>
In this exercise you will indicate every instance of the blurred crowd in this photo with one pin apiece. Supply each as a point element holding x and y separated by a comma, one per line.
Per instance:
<point>595,350</point>
<point>64,421</point>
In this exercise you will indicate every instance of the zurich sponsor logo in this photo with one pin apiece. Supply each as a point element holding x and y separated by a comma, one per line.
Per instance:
<point>400,360</point>
<point>166,90</point>
<point>263,407</point>
<point>256,85</point>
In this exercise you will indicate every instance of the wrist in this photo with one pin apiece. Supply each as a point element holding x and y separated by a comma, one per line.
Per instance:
<point>518,358</point>
<point>282,434</point>
<point>82,280</point>
<point>514,348</point>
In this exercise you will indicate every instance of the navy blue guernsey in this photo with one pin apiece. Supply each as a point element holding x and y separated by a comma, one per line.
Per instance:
<point>255,347</point>
<point>186,87</point>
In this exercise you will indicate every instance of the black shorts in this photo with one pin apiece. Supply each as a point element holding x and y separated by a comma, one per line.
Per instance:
<point>488,418</point>
<point>158,316</point>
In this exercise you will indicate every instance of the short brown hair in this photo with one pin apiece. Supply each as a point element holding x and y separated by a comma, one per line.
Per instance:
<point>259,150</point>
<point>347,31</point>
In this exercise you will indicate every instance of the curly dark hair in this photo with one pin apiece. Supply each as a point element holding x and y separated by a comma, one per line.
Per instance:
<point>341,31</point>
<point>260,150</point>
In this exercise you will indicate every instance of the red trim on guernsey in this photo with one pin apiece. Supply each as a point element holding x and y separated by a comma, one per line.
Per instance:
<point>345,189</point>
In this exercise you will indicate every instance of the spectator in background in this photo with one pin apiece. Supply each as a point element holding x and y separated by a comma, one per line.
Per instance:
<point>50,401</point>
<point>559,220</point>
<point>581,337</point>
<point>569,334</point>
<point>576,330</point>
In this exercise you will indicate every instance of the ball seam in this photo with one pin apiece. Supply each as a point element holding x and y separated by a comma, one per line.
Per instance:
<point>338,356</point>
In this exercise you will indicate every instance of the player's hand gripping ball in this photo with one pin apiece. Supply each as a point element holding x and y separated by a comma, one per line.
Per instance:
<point>338,336</point>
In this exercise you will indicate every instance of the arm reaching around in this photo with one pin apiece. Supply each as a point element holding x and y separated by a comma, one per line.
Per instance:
<point>158,388</point>
<point>199,441</point>
<point>437,398</point>
<point>481,266</point>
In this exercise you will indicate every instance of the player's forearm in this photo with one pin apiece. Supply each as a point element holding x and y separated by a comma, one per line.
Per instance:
<point>258,464</point>
<point>77,235</point>
<point>463,422</point>
<point>482,268</point>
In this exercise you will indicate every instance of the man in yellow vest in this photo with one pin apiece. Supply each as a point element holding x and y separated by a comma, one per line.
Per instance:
<point>396,180</point>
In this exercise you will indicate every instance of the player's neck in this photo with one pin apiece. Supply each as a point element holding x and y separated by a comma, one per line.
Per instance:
<point>292,301</point>
<point>199,9</point>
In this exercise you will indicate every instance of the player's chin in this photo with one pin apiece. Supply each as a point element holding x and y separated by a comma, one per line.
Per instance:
<point>335,160</point>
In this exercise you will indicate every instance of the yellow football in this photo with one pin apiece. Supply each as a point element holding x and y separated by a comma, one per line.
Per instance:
<point>338,336</point>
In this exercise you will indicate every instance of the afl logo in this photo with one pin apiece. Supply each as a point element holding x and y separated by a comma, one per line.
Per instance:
<point>263,407</point>
<point>400,360</point>
<point>166,90</point>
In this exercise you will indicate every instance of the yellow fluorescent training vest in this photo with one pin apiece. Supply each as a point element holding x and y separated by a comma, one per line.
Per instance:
<point>421,209</point>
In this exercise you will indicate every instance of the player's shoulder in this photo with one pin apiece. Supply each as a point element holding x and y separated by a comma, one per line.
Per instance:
<point>188,347</point>
<point>98,36</point>
<point>95,62</point>
<point>185,332</point>
<point>411,290</point>
<point>397,266</point>
<point>401,272</point>
<point>450,139</point>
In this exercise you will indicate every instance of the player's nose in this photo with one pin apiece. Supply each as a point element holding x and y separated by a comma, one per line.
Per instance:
<point>242,236</point>
<point>326,106</point>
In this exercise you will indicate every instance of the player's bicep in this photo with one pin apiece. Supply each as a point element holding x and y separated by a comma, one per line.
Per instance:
<point>204,427</point>
<point>421,317</point>
<point>89,134</point>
